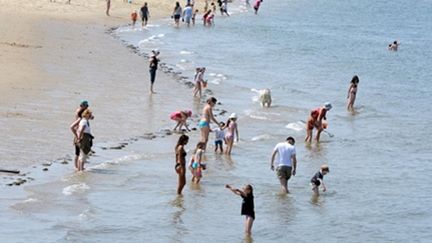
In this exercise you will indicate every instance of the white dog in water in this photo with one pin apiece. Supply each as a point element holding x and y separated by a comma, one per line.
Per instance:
<point>265,97</point>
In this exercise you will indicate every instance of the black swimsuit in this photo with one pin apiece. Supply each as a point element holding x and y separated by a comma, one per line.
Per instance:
<point>248,206</point>
<point>183,158</point>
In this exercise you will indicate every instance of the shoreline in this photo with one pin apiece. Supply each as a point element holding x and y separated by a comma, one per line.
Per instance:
<point>54,59</point>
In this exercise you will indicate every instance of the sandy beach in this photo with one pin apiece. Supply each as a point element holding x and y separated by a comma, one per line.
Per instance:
<point>53,55</point>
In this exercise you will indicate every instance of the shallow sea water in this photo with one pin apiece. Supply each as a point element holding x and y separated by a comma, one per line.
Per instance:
<point>306,53</point>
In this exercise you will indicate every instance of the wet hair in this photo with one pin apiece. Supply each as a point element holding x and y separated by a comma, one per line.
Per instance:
<point>249,186</point>
<point>211,99</point>
<point>355,79</point>
<point>183,139</point>
<point>290,139</point>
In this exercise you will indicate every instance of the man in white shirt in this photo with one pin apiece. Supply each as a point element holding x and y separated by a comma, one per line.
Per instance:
<point>287,162</point>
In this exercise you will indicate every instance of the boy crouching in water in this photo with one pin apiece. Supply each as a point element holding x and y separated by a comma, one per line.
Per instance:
<point>318,179</point>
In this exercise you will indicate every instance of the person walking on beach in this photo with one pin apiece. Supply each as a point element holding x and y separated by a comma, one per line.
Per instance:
<point>177,14</point>
<point>352,91</point>
<point>74,128</point>
<point>199,81</point>
<point>247,205</point>
<point>187,15</point>
<point>318,179</point>
<point>181,118</point>
<point>322,116</point>
<point>134,17</point>
<point>287,162</point>
<point>196,164</point>
<point>207,116</point>
<point>257,5</point>
<point>108,6</point>
<point>154,62</point>
<point>224,9</point>
<point>232,130</point>
<point>84,138</point>
<point>180,165</point>
<point>145,14</point>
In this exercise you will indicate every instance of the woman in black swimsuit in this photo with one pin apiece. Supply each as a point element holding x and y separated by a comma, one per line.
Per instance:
<point>180,166</point>
<point>247,205</point>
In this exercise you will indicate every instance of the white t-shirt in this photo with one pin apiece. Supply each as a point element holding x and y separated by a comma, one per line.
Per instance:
<point>219,134</point>
<point>285,151</point>
<point>85,125</point>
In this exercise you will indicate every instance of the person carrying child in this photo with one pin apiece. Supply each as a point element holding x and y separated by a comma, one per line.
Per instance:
<point>247,205</point>
<point>219,137</point>
<point>318,179</point>
<point>196,164</point>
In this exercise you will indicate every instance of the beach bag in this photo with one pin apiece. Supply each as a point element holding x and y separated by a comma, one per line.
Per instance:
<point>86,143</point>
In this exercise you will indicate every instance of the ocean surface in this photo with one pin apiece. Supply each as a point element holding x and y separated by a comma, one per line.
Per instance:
<point>306,52</point>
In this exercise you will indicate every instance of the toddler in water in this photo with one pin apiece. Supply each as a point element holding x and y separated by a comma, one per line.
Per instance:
<point>134,17</point>
<point>318,179</point>
<point>247,205</point>
<point>219,137</point>
<point>196,165</point>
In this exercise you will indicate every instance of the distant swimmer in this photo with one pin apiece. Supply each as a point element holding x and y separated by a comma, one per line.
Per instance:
<point>318,180</point>
<point>153,66</point>
<point>206,117</point>
<point>145,14</point>
<point>247,208</point>
<point>352,92</point>
<point>180,165</point>
<point>196,164</point>
<point>231,133</point>
<point>265,97</point>
<point>181,118</point>
<point>287,162</point>
<point>257,5</point>
<point>393,46</point>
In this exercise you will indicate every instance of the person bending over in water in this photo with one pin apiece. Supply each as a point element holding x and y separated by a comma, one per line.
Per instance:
<point>196,164</point>
<point>257,5</point>
<point>352,91</point>
<point>207,116</point>
<point>232,130</point>
<point>247,205</point>
<point>322,115</point>
<point>318,179</point>
<point>181,117</point>
<point>180,165</point>
<point>206,14</point>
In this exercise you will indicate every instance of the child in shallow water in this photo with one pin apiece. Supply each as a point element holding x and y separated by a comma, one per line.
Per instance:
<point>318,179</point>
<point>134,17</point>
<point>247,205</point>
<point>196,164</point>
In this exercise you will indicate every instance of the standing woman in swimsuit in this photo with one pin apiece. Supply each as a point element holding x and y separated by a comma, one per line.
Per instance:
<point>352,91</point>
<point>180,166</point>
<point>177,14</point>
<point>207,115</point>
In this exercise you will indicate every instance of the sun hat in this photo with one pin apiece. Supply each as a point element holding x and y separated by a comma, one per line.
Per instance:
<point>233,116</point>
<point>84,103</point>
<point>328,105</point>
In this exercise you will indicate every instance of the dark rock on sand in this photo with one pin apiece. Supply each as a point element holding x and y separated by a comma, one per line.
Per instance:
<point>45,169</point>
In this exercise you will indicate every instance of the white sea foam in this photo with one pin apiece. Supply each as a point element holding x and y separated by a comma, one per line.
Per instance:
<point>260,137</point>
<point>296,126</point>
<point>75,188</point>
<point>186,52</point>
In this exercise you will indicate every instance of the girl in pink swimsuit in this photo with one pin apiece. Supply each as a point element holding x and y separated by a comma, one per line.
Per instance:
<point>232,130</point>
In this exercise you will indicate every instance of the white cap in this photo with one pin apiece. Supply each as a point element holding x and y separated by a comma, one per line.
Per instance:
<point>328,105</point>
<point>233,116</point>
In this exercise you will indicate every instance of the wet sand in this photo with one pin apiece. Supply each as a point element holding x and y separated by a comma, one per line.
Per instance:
<point>53,56</point>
